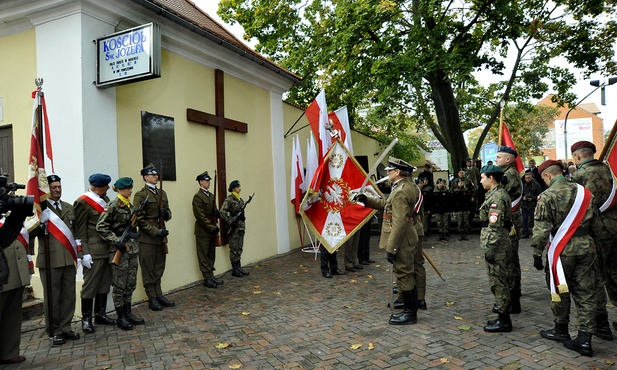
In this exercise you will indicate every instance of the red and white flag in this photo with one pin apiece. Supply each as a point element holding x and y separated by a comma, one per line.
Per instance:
<point>317,115</point>
<point>327,208</point>
<point>340,124</point>
<point>297,175</point>
<point>37,185</point>
<point>312,160</point>
<point>611,161</point>
<point>506,139</point>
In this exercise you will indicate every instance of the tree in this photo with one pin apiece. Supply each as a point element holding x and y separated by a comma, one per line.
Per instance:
<point>418,58</point>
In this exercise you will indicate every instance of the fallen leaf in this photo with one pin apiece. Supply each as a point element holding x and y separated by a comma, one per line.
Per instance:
<point>464,327</point>
<point>246,313</point>
<point>257,267</point>
<point>371,346</point>
<point>308,325</point>
<point>377,265</point>
<point>235,366</point>
<point>449,303</point>
<point>609,362</point>
<point>347,306</point>
<point>477,263</point>
<point>354,281</point>
<point>256,287</point>
<point>457,318</point>
<point>306,270</point>
<point>257,292</point>
<point>526,269</point>
<point>301,265</point>
<point>223,345</point>
<point>295,272</point>
<point>444,360</point>
<point>277,293</point>
<point>355,346</point>
<point>369,276</point>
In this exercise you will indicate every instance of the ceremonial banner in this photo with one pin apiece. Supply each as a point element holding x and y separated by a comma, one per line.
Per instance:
<point>317,115</point>
<point>506,139</point>
<point>312,160</point>
<point>340,124</point>
<point>611,161</point>
<point>297,175</point>
<point>327,208</point>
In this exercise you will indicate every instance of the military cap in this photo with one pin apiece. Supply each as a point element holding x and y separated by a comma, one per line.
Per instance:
<point>582,144</point>
<point>428,165</point>
<point>53,178</point>
<point>507,149</point>
<point>469,159</point>
<point>123,183</point>
<point>234,184</point>
<point>203,176</point>
<point>491,169</point>
<point>422,178</point>
<point>550,162</point>
<point>149,170</point>
<point>399,164</point>
<point>460,180</point>
<point>99,179</point>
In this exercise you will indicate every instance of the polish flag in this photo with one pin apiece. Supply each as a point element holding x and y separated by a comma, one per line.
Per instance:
<point>611,161</point>
<point>312,160</point>
<point>506,139</point>
<point>340,124</point>
<point>317,115</point>
<point>297,174</point>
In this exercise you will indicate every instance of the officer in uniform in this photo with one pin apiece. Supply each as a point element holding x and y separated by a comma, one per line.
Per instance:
<point>153,237</point>
<point>111,226</point>
<point>495,215</point>
<point>514,186</point>
<point>206,229</point>
<point>233,206</point>
<point>596,176</point>
<point>94,252</point>
<point>566,212</point>
<point>473,174</point>
<point>441,209</point>
<point>63,260</point>
<point>398,234</point>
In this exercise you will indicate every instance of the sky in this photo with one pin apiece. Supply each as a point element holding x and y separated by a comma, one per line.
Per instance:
<point>581,89</point>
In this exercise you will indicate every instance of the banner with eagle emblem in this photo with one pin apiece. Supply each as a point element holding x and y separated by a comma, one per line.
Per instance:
<point>327,207</point>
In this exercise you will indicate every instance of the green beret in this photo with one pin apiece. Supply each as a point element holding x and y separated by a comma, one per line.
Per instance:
<point>123,183</point>
<point>234,184</point>
<point>489,168</point>
<point>507,149</point>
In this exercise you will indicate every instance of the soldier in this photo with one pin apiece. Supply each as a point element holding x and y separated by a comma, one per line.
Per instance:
<point>111,226</point>
<point>427,204</point>
<point>566,218</point>
<point>94,254</point>
<point>462,200</point>
<point>328,263</point>
<point>398,234</point>
<point>531,190</point>
<point>350,253</point>
<point>63,258</point>
<point>536,175</point>
<point>206,230</point>
<point>495,215</point>
<point>514,186</point>
<point>234,206</point>
<point>461,176</point>
<point>153,237</point>
<point>441,209</point>
<point>427,174</point>
<point>596,176</point>
<point>472,172</point>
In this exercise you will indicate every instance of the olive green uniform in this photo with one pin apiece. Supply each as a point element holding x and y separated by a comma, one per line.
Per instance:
<point>514,187</point>
<point>204,209</point>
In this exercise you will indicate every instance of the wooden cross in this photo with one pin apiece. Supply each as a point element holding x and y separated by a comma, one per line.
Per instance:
<point>220,123</point>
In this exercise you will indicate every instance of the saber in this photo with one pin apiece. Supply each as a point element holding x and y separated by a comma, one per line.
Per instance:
<point>377,162</point>
<point>389,288</point>
<point>432,264</point>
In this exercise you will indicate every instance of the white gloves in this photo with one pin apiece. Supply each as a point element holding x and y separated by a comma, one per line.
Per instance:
<point>86,261</point>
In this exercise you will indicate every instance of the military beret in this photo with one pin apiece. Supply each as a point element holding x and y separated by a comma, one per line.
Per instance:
<point>149,170</point>
<point>440,180</point>
<point>460,181</point>
<point>469,159</point>
<point>490,169</point>
<point>53,178</point>
<point>461,170</point>
<point>582,144</point>
<point>551,162</point>
<point>123,183</point>
<point>507,149</point>
<point>234,184</point>
<point>203,176</point>
<point>422,178</point>
<point>99,179</point>
<point>399,164</point>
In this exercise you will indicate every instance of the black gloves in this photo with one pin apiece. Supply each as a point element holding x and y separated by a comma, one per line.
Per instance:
<point>164,214</point>
<point>215,230</point>
<point>391,257</point>
<point>162,232</point>
<point>537,263</point>
<point>216,213</point>
<point>120,245</point>
<point>360,198</point>
<point>489,257</point>
<point>133,235</point>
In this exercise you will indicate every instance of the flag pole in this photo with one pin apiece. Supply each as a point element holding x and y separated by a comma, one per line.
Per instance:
<point>609,142</point>
<point>48,287</point>
<point>502,105</point>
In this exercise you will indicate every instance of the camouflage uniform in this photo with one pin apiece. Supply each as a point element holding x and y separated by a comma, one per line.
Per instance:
<point>577,257</point>
<point>514,187</point>
<point>495,215</point>
<point>596,176</point>
<point>230,208</point>
<point>110,226</point>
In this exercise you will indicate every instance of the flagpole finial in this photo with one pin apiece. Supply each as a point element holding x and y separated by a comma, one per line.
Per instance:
<point>39,83</point>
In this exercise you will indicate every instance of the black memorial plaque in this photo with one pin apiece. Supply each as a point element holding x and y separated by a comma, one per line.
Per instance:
<point>159,148</point>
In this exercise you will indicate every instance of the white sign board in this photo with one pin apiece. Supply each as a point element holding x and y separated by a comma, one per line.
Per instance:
<point>577,129</point>
<point>129,56</point>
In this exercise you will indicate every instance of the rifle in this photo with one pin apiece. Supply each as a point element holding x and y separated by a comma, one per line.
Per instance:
<point>161,220</point>
<point>232,225</point>
<point>126,234</point>
<point>213,218</point>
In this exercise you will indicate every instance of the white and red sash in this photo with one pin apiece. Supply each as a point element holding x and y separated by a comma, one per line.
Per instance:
<point>94,201</point>
<point>418,204</point>
<point>563,235</point>
<point>611,200</point>
<point>517,202</point>
<point>23,238</point>
<point>58,229</point>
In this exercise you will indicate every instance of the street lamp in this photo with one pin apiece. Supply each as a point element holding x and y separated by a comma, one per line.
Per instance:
<point>598,84</point>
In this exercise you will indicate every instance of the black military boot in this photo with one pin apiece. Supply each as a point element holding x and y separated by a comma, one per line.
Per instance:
<point>460,238</point>
<point>501,325</point>
<point>441,236</point>
<point>132,318</point>
<point>235,271</point>
<point>446,237</point>
<point>515,296</point>
<point>86,315</point>
<point>410,312</point>
<point>242,271</point>
<point>422,304</point>
<point>580,344</point>
<point>100,313</point>
<point>122,322</point>
<point>559,333</point>
<point>465,236</point>
<point>603,328</point>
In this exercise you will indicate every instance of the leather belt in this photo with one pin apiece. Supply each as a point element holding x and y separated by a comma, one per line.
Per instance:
<point>389,218</point>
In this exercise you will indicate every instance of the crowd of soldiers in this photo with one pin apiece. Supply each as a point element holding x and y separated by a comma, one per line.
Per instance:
<point>110,239</point>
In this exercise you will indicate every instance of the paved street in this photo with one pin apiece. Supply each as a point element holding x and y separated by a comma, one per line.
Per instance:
<point>285,315</point>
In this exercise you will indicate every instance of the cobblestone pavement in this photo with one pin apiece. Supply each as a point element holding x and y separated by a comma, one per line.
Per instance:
<point>285,315</point>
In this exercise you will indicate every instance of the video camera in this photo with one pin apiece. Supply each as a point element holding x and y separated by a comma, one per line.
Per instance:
<point>9,201</point>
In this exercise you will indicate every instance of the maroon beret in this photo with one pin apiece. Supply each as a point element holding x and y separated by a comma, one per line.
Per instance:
<point>582,144</point>
<point>546,164</point>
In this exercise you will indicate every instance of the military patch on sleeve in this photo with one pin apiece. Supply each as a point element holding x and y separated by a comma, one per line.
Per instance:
<point>493,217</point>
<point>493,205</point>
